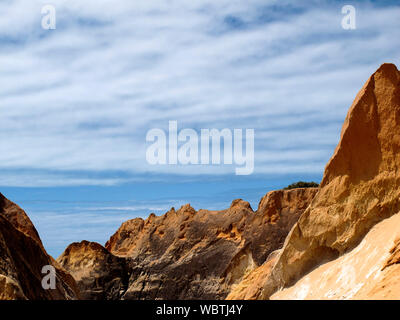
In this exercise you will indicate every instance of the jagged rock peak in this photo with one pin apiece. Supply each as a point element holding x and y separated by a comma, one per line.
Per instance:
<point>360,187</point>
<point>370,137</point>
<point>239,203</point>
<point>181,253</point>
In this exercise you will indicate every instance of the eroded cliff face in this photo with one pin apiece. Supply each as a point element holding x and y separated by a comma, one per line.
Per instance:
<point>100,275</point>
<point>336,242</point>
<point>22,258</point>
<point>370,271</point>
<point>252,284</point>
<point>189,254</point>
<point>360,187</point>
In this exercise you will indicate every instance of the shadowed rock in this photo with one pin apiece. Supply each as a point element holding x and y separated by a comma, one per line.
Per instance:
<point>100,275</point>
<point>22,257</point>
<point>189,254</point>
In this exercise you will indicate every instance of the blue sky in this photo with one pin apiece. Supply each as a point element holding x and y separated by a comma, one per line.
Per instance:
<point>76,102</point>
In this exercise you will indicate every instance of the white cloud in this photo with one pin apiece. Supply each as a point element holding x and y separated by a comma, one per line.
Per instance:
<point>82,97</point>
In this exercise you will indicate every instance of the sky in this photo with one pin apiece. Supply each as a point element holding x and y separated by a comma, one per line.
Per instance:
<point>76,102</point>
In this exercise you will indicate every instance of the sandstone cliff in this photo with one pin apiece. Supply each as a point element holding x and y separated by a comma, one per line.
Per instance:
<point>186,254</point>
<point>369,271</point>
<point>360,187</point>
<point>100,275</point>
<point>252,284</point>
<point>22,257</point>
<point>336,242</point>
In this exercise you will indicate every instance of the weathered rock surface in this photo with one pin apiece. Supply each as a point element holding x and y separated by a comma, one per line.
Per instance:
<point>188,254</point>
<point>18,218</point>
<point>100,275</point>
<point>360,187</point>
<point>343,241</point>
<point>22,258</point>
<point>369,271</point>
<point>252,284</point>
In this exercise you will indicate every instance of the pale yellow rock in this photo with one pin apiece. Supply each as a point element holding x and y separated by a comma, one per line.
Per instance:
<point>358,274</point>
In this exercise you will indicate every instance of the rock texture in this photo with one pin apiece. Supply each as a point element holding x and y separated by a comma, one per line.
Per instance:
<point>369,271</point>
<point>188,254</point>
<point>22,257</point>
<point>343,241</point>
<point>99,274</point>
<point>252,284</point>
<point>18,218</point>
<point>360,187</point>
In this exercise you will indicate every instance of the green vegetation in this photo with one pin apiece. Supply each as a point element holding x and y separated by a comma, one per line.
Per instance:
<point>302,184</point>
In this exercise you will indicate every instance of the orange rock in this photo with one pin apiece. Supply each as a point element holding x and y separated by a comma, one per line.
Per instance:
<point>99,274</point>
<point>19,219</point>
<point>187,254</point>
<point>252,284</point>
<point>360,187</point>
<point>22,257</point>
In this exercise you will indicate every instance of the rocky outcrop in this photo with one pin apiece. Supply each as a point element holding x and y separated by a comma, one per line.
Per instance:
<point>277,212</point>
<point>369,271</point>
<point>18,218</point>
<point>22,257</point>
<point>100,275</point>
<point>252,284</point>
<point>186,254</point>
<point>360,187</point>
<point>336,242</point>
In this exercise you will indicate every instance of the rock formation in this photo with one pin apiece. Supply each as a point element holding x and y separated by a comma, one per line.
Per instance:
<point>22,258</point>
<point>360,186</point>
<point>339,241</point>
<point>252,284</point>
<point>369,271</point>
<point>186,254</point>
<point>99,274</point>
